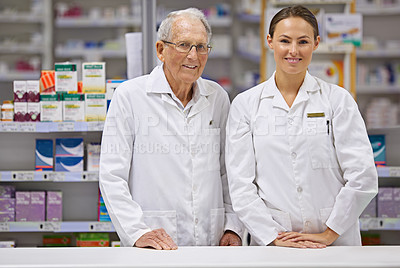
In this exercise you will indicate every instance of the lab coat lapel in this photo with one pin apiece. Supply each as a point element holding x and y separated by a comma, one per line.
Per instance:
<point>309,85</point>
<point>271,91</point>
<point>199,106</point>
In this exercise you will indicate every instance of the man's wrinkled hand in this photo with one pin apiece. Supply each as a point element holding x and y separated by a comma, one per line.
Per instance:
<point>157,239</point>
<point>230,239</point>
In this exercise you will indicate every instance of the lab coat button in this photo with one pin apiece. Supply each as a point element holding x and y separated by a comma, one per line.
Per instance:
<point>307,223</point>
<point>294,155</point>
<point>290,121</point>
<point>196,221</point>
<point>299,189</point>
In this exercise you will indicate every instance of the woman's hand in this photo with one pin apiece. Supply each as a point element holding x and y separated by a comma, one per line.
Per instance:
<point>326,238</point>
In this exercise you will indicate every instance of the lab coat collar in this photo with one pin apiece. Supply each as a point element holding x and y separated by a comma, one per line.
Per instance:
<point>271,90</point>
<point>158,83</point>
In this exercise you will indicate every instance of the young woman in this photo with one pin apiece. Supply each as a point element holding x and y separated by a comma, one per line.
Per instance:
<point>299,162</point>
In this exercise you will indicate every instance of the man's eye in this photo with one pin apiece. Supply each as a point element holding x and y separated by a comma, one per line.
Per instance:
<point>201,46</point>
<point>184,45</point>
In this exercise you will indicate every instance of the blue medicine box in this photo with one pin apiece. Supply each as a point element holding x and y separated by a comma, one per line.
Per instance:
<point>379,148</point>
<point>44,155</point>
<point>69,147</point>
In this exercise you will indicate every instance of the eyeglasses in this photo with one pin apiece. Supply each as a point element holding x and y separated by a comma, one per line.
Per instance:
<point>185,47</point>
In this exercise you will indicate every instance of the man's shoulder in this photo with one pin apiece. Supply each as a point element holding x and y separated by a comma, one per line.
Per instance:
<point>134,84</point>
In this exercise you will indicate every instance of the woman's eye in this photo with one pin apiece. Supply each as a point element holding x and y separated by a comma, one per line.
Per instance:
<point>284,41</point>
<point>303,42</point>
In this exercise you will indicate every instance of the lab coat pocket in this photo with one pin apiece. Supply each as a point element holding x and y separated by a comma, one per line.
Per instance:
<point>281,217</point>
<point>324,214</point>
<point>320,143</point>
<point>212,144</point>
<point>217,225</point>
<point>165,219</point>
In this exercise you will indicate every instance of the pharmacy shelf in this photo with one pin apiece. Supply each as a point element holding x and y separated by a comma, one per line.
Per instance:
<point>309,2</point>
<point>379,11</point>
<point>92,23</point>
<point>388,172</point>
<point>21,49</point>
<point>89,53</point>
<point>57,227</point>
<point>225,21</point>
<point>386,224</point>
<point>21,18</point>
<point>21,75</point>
<point>249,56</point>
<point>379,53</point>
<point>47,127</point>
<point>48,176</point>
<point>377,89</point>
<point>249,18</point>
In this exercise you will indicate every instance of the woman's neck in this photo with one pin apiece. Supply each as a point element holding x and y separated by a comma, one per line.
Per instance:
<point>289,85</point>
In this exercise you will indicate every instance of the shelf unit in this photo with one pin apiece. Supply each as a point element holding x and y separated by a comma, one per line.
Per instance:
<point>345,52</point>
<point>31,41</point>
<point>80,189</point>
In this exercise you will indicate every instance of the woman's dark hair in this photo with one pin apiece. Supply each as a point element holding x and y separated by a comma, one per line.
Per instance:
<point>294,11</point>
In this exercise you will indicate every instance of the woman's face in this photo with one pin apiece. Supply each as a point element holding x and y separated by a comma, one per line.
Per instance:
<point>293,44</point>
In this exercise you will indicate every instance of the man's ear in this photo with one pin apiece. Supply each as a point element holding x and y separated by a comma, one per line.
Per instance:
<point>160,48</point>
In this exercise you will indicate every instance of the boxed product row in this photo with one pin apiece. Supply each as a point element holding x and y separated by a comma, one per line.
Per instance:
<point>382,112</point>
<point>66,240</point>
<point>385,205</point>
<point>29,105</point>
<point>385,74</point>
<point>24,206</point>
<point>68,155</point>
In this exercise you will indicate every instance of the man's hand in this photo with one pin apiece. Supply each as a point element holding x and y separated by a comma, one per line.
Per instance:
<point>299,244</point>
<point>230,238</point>
<point>158,239</point>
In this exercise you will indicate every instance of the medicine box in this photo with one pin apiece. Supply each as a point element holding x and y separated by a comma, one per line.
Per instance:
<point>20,94</point>
<point>47,82</point>
<point>44,155</point>
<point>73,107</point>
<point>37,206</point>
<point>94,77</point>
<point>7,204</point>
<point>21,112</point>
<point>343,28</point>
<point>386,204</point>
<point>7,191</point>
<point>33,113</point>
<point>54,206</point>
<point>33,91</point>
<point>7,216</point>
<point>51,108</point>
<point>66,77</point>
<point>69,147</point>
<point>379,149</point>
<point>95,107</point>
<point>22,205</point>
<point>69,163</point>
<point>93,156</point>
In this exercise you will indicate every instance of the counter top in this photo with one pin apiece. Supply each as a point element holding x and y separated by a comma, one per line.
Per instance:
<point>368,256</point>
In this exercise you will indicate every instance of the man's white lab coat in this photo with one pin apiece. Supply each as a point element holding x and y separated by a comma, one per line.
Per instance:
<point>162,166</point>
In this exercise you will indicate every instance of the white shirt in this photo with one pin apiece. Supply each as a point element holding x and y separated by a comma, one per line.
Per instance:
<point>162,165</point>
<point>301,168</point>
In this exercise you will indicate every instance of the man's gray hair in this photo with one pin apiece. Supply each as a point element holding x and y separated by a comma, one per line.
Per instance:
<point>164,32</point>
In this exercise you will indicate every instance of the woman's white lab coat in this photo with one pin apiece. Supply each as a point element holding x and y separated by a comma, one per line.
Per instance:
<point>301,168</point>
<point>160,165</point>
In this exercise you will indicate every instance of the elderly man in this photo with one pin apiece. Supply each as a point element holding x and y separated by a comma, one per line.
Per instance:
<point>162,169</point>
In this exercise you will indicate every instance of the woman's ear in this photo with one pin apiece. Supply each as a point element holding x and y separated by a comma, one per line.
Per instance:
<point>269,41</point>
<point>160,48</point>
<point>316,44</point>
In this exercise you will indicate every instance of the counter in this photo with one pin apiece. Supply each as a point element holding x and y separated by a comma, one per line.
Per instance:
<point>371,256</point>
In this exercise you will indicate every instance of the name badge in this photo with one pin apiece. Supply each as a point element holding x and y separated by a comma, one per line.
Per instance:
<point>312,115</point>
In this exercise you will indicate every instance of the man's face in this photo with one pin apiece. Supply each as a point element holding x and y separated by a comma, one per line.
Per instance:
<point>183,69</point>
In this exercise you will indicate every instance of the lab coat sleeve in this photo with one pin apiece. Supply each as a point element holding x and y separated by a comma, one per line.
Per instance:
<point>356,161</point>
<point>115,162</point>
<point>232,221</point>
<point>241,171</point>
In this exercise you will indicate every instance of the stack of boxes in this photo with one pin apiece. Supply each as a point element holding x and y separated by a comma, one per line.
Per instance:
<point>58,95</point>
<point>27,206</point>
<point>69,154</point>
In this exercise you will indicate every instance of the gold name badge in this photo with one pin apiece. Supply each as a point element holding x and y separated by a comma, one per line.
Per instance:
<point>311,115</point>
